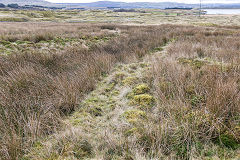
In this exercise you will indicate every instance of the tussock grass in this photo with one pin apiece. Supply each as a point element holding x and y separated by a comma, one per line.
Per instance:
<point>39,87</point>
<point>187,98</point>
<point>197,90</point>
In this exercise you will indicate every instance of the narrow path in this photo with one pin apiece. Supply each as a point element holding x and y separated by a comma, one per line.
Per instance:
<point>118,101</point>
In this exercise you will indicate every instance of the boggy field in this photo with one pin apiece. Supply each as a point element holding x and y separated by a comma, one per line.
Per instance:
<point>105,91</point>
<point>135,16</point>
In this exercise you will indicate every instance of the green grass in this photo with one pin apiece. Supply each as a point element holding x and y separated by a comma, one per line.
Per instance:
<point>12,19</point>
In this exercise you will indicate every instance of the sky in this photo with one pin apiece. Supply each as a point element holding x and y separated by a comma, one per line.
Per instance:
<point>180,1</point>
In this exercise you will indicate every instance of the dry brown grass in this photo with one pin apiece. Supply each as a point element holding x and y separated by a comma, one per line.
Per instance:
<point>196,86</point>
<point>190,112</point>
<point>38,88</point>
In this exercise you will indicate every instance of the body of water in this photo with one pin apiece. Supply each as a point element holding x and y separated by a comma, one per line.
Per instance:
<point>222,11</point>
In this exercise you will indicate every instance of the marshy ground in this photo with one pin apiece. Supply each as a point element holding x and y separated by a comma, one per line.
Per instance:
<point>115,91</point>
<point>139,16</point>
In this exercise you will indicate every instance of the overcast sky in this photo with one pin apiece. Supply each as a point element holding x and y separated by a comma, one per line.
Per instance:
<point>180,1</point>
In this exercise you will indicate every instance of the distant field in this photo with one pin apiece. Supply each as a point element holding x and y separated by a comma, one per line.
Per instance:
<point>143,16</point>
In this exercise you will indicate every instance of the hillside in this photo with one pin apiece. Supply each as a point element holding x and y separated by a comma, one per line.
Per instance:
<point>110,4</point>
<point>130,5</point>
<point>27,2</point>
<point>160,5</point>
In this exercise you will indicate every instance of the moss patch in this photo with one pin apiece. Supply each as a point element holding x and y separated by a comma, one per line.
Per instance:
<point>130,81</point>
<point>134,116</point>
<point>110,86</point>
<point>141,89</point>
<point>144,100</point>
<point>195,63</point>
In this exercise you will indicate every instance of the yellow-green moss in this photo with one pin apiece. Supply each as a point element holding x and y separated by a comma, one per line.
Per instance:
<point>92,100</point>
<point>130,95</point>
<point>79,118</point>
<point>144,100</point>
<point>110,87</point>
<point>141,89</point>
<point>195,63</point>
<point>115,92</point>
<point>135,115</point>
<point>130,81</point>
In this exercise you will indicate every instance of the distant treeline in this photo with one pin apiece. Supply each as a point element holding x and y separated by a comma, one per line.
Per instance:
<point>128,10</point>
<point>179,8</point>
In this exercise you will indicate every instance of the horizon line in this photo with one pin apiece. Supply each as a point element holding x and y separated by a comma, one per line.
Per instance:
<point>143,2</point>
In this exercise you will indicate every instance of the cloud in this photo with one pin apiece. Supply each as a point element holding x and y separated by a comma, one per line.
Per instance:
<point>180,1</point>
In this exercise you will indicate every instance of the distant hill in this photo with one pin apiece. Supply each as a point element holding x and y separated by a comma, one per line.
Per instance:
<point>27,2</point>
<point>110,4</point>
<point>160,5</point>
<point>107,4</point>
